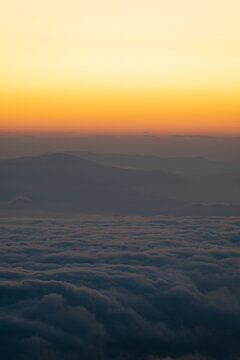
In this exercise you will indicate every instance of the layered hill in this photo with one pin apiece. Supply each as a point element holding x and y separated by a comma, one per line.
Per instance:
<point>68,184</point>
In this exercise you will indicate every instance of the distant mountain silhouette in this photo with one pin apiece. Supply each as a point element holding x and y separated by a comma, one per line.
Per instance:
<point>199,166</point>
<point>67,184</point>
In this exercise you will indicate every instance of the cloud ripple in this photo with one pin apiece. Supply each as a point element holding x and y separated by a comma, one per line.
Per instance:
<point>120,288</point>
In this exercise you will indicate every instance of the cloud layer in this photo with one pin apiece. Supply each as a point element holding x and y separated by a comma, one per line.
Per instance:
<point>120,288</point>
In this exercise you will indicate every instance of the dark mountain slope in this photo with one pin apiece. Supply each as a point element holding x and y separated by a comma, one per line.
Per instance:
<point>199,166</point>
<point>62,183</point>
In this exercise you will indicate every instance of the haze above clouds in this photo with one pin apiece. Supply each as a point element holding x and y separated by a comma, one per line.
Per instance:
<point>117,184</point>
<point>210,147</point>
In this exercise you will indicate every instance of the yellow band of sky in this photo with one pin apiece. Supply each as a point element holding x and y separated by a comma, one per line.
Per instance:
<point>120,66</point>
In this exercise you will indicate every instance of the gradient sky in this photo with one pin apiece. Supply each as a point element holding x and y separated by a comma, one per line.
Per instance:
<point>103,66</point>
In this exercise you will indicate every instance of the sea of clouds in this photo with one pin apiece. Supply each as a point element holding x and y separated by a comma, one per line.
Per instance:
<point>120,288</point>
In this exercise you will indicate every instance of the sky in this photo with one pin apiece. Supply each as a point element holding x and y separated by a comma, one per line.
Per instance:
<point>91,66</point>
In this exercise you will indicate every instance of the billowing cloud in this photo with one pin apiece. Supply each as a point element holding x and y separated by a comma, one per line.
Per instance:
<point>160,288</point>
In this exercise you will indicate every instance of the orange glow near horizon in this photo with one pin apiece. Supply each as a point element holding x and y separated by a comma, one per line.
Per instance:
<point>120,67</point>
<point>165,112</point>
